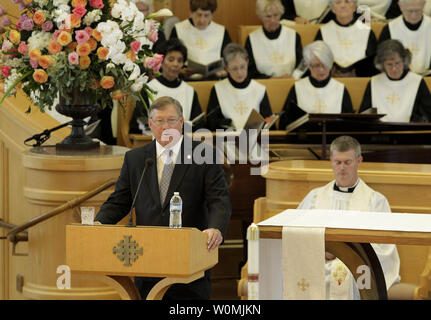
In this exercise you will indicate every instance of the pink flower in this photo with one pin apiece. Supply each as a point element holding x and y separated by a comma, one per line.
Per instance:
<point>2,11</point>
<point>6,46</point>
<point>154,62</point>
<point>73,58</point>
<point>136,46</point>
<point>23,48</point>
<point>27,24</point>
<point>34,64</point>
<point>56,34</point>
<point>89,30</point>
<point>79,11</point>
<point>97,4</point>
<point>5,71</point>
<point>153,36</point>
<point>5,21</point>
<point>81,36</point>
<point>47,26</point>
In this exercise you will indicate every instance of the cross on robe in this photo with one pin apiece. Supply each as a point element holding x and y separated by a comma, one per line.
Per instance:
<point>393,98</point>
<point>276,58</point>
<point>241,108</point>
<point>303,284</point>
<point>346,43</point>
<point>201,43</point>
<point>320,106</point>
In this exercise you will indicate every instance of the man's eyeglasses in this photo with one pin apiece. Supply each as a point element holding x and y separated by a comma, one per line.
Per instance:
<point>160,122</point>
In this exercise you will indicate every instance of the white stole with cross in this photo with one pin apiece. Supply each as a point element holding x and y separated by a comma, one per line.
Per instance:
<point>274,57</point>
<point>310,9</point>
<point>348,44</point>
<point>418,42</point>
<point>236,104</point>
<point>328,99</point>
<point>363,198</point>
<point>203,46</point>
<point>394,98</point>
<point>184,94</point>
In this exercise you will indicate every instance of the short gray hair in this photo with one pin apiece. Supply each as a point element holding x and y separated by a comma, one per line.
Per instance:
<point>320,50</point>
<point>263,5</point>
<point>344,144</point>
<point>405,1</point>
<point>163,102</point>
<point>389,48</point>
<point>232,51</point>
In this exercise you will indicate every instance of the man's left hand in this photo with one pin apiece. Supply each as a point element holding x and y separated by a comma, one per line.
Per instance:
<point>214,238</point>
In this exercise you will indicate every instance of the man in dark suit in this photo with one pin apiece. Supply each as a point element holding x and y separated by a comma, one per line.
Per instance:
<point>202,187</point>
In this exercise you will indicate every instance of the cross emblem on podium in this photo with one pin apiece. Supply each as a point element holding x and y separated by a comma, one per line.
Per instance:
<point>201,43</point>
<point>303,284</point>
<point>393,98</point>
<point>127,251</point>
<point>241,108</point>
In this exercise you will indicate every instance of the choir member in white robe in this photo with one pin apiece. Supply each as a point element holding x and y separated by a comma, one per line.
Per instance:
<point>352,42</point>
<point>413,29</point>
<point>205,39</point>
<point>397,92</point>
<point>170,84</point>
<point>236,95</point>
<point>319,92</point>
<point>306,11</point>
<point>349,192</point>
<point>274,50</point>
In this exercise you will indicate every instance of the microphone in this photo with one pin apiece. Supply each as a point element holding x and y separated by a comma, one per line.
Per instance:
<point>148,162</point>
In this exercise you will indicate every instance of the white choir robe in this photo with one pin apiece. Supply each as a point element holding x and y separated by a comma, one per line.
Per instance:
<point>416,41</point>
<point>340,283</point>
<point>310,9</point>
<point>184,94</point>
<point>395,98</point>
<point>203,46</point>
<point>348,44</point>
<point>275,57</point>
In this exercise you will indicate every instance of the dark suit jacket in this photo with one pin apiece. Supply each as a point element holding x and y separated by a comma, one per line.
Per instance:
<point>202,187</point>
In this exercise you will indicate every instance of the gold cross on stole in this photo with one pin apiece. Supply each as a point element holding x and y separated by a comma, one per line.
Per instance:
<point>346,43</point>
<point>201,43</point>
<point>276,58</point>
<point>393,98</point>
<point>241,108</point>
<point>319,105</point>
<point>413,48</point>
<point>303,285</point>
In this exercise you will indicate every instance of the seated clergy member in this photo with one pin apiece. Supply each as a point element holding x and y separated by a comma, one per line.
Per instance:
<point>413,29</point>
<point>319,92</point>
<point>349,192</point>
<point>397,92</point>
<point>353,43</point>
<point>205,40</point>
<point>202,187</point>
<point>274,50</point>
<point>237,95</point>
<point>170,84</point>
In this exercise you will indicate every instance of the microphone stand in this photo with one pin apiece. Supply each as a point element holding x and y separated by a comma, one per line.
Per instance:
<point>45,135</point>
<point>148,162</point>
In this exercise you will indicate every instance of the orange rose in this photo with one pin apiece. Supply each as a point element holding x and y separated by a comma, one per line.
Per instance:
<point>92,43</point>
<point>84,62</point>
<point>46,61</point>
<point>94,84</point>
<point>102,52</point>
<point>117,95</point>
<point>83,49</point>
<point>39,17</point>
<point>97,35</point>
<point>72,45</point>
<point>64,38</point>
<point>81,3</point>
<point>73,21</point>
<point>35,54</point>
<point>40,76</point>
<point>14,36</point>
<point>131,55</point>
<point>54,47</point>
<point>107,82</point>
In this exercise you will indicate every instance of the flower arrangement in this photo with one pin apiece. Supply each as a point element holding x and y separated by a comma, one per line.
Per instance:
<point>57,46</point>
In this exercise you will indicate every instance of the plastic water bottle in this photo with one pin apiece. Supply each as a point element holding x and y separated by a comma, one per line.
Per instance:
<point>176,209</point>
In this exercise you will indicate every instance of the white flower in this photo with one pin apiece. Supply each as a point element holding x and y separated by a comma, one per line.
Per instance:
<point>92,16</point>
<point>136,73</point>
<point>41,3</point>
<point>128,66</point>
<point>128,14</point>
<point>39,40</point>
<point>58,3</point>
<point>165,12</point>
<point>9,81</point>
<point>139,83</point>
<point>138,22</point>
<point>16,63</point>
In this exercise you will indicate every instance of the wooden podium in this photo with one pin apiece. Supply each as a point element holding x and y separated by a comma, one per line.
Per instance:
<point>117,253</point>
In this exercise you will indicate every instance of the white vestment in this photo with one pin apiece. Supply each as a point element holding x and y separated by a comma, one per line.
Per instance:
<point>340,282</point>
<point>309,9</point>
